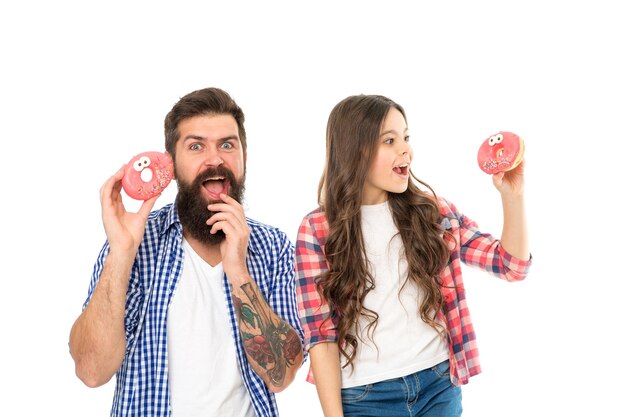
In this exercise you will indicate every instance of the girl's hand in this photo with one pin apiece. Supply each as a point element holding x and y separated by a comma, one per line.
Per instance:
<point>510,183</point>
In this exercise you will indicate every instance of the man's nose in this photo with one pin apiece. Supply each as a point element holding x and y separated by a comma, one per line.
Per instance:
<point>213,158</point>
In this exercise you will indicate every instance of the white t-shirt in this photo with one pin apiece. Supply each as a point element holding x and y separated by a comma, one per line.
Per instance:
<point>402,342</point>
<point>204,376</point>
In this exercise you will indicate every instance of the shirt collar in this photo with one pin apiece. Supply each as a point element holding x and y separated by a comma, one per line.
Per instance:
<point>171,219</point>
<point>254,242</point>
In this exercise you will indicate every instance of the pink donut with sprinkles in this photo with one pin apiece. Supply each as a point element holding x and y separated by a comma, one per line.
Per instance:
<point>147,174</point>
<point>502,151</point>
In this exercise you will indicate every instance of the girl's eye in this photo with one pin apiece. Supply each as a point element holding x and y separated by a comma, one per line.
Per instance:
<point>406,138</point>
<point>388,141</point>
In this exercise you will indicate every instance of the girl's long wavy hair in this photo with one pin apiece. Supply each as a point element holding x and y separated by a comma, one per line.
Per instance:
<point>352,138</point>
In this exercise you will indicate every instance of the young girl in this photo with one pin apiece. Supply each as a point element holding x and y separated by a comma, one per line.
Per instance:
<point>380,291</point>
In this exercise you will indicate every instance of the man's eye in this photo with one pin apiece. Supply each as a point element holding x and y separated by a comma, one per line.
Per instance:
<point>195,147</point>
<point>227,145</point>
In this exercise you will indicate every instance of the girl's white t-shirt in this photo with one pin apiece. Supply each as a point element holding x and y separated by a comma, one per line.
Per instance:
<point>402,343</point>
<point>204,376</point>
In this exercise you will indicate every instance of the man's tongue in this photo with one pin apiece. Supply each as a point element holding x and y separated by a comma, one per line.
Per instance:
<point>215,188</point>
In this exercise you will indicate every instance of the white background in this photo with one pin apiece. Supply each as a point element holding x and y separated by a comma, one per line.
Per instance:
<point>86,85</point>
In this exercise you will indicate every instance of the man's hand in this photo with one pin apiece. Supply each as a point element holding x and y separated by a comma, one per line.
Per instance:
<point>124,229</point>
<point>229,217</point>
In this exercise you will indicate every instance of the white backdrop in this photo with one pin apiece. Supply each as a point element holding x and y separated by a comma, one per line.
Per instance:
<point>86,85</point>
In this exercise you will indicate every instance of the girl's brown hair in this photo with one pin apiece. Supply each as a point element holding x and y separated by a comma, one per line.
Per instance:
<point>352,135</point>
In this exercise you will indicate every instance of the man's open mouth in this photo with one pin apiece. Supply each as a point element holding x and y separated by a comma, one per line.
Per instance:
<point>216,185</point>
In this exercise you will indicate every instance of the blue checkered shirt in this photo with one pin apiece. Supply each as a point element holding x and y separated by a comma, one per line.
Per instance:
<point>142,381</point>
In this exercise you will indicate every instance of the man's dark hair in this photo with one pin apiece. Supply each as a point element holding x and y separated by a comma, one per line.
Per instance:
<point>208,101</point>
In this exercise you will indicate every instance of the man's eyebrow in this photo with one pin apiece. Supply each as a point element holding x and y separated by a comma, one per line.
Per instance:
<point>231,137</point>
<point>202,138</point>
<point>194,137</point>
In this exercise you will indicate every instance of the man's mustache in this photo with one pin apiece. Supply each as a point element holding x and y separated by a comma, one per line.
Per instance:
<point>212,172</point>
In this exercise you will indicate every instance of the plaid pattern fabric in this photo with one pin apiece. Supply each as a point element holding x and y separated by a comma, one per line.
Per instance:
<point>474,248</point>
<point>142,380</point>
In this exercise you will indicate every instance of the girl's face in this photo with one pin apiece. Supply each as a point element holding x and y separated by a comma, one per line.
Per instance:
<point>389,171</point>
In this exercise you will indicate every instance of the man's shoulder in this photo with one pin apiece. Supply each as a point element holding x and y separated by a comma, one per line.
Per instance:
<point>262,227</point>
<point>263,235</point>
<point>161,219</point>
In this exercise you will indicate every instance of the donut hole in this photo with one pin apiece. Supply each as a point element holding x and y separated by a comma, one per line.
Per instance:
<point>146,175</point>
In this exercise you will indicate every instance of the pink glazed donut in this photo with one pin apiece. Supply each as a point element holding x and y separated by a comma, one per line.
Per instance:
<point>502,151</point>
<point>147,174</point>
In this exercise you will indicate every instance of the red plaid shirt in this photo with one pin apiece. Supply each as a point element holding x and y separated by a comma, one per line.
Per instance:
<point>476,249</point>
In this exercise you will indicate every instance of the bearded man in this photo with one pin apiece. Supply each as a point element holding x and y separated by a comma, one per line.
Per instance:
<point>192,306</point>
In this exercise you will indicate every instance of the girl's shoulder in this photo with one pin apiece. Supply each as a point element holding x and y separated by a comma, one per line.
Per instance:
<point>446,207</point>
<point>315,222</point>
<point>316,215</point>
<point>313,230</point>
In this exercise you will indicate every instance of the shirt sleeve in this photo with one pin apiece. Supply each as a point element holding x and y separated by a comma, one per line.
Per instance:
<point>483,251</point>
<point>283,300</point>
<point>133,294</point>
<point>310,265</point>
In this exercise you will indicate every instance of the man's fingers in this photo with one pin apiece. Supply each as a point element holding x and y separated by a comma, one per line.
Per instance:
<point>113,183</point>
<point>146,206</point>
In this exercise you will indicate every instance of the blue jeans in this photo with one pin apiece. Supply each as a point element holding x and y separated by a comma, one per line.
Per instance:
<point>425,393</point>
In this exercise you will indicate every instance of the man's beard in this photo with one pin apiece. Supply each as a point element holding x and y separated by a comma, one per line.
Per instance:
<point>192,207</point>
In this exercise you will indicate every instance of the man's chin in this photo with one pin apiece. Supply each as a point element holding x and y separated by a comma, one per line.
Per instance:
<point>205,237</point>
<point>193,201</point>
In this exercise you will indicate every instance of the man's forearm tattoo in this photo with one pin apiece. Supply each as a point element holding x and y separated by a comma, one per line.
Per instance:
<point>273,344</point>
